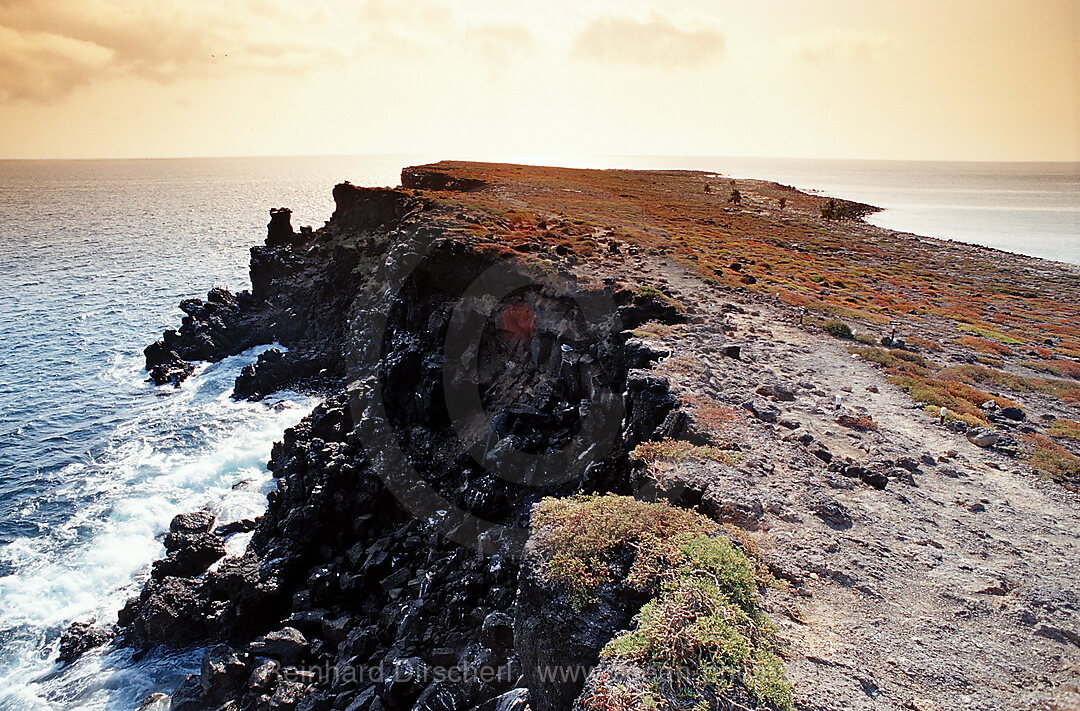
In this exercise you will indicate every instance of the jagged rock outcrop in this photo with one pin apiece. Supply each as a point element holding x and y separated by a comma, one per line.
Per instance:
<point>345,572</point>
<point>302,286</point>
<point>389,547</point>
<point>429,178</point>
<point>558,644</point>
<point>81,637</point>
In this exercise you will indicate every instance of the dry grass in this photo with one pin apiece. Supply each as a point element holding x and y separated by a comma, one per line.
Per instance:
<point>926,343</point>
<point>957,397</point>
<point>681,365</point>
<point>894,360</point>
<point>837,270</point>
<point>583,537</point>
<point>1050,457</point>
<point>983,345</point>
<point>677,450</point>
<point>1060,368</point>
<point>655,329</point>
<point>712,415</point>
<point>1064,429</point>
<point>857,422</point>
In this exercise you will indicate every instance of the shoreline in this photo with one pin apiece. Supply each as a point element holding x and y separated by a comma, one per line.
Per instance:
<point>822,177</point>
<point>481,215</point>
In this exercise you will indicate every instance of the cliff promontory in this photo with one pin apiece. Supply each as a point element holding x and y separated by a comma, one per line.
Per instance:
<point>614,440</point>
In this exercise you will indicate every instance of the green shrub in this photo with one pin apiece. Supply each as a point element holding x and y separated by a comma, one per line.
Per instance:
<point>651,293</point>
<point>703,620</point>
<point>837,328</point>
<point>865,339</point>
<point>894,359</point>
<point>1062,465</point>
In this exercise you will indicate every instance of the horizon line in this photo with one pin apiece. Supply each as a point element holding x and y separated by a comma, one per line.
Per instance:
<point>530,159</point>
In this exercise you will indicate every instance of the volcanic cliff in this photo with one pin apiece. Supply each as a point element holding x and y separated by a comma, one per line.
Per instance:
<point>618,440</point>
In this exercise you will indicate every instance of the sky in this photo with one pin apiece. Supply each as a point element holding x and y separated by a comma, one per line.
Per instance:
<point>483,79</point>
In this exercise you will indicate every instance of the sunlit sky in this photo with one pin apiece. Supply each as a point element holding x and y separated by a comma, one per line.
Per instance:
<point>883,79</point>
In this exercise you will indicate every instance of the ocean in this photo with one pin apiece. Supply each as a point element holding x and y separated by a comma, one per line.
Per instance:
<point>94,461</point>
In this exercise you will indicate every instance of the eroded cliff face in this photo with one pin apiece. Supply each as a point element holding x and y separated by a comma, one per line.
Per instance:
<point>469,334</point>
<point>463,383</point>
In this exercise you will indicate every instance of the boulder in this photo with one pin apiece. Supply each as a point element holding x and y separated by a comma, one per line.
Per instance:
<point>833,513</point>
<point>982,437</point>
<point>643,353</point>
<point>272,371</point>
<point>728,502</point>
<point>557,644</point>
<point>169,611</point>
<point>165,365</point>
<point>223,671</point>
<point>190,554</point>
<point>497,631</point>
<point>188,695</point>
<point>762,410</point>
<point>781,392</point>
<point>440,696</point>
<point>513,700</point>
<point>287,645</point>
<point>194,522</point>
<point>242,526</point>
<point>901,474</point>
<point>405,680</point>
<point>156,701</point>
<point>875,479</point>
<point>279,231</point>
<point>81,637</point>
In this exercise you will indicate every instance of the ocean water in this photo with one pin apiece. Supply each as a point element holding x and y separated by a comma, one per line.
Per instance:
<point>1026,208</point>
<point>94,461</point>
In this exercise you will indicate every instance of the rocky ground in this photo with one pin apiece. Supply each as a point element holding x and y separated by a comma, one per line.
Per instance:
<point>904,565</point>
<point>951,586</point>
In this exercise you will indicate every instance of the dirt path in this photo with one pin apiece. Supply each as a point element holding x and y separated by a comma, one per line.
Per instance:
<point>956,587</point>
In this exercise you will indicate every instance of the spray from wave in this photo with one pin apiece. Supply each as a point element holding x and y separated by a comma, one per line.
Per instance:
<point>181,451</point>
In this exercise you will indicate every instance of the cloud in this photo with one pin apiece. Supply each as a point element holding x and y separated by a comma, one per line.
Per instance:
<point>38,66</point>
<point>50,49</point>
<point>833,44</point>
<point>431,30</point>
<point>425,14</point>
<point>498,44</point>
<point>655,42</point>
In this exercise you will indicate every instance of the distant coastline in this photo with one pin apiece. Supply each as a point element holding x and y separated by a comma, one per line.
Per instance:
<point>1029,208</point>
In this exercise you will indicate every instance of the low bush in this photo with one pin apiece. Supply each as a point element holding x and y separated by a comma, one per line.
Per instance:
<point>702,633</point>
<point>894,359</point>
<point>970,420</point>
<point>961,398</point>
<point>1060,368</point>
<point>1050,457</point>
<point>837,328</point>
<point>653,294</point>
<point>989,332</point>
<point>677,450</point>
<point>653,329</point>
<point>978,375</point>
